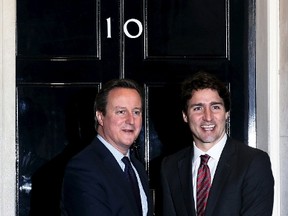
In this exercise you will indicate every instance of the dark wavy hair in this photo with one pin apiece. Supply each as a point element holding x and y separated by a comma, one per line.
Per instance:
<point>100,102</point>
<point>203,80</point>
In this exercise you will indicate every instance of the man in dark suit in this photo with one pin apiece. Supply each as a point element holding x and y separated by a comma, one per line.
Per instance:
<point>95,182</point>
<point>238,179</point>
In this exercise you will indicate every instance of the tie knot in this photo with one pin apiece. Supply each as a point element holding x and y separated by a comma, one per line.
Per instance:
<point>126,161</point>
<point>204,159</point>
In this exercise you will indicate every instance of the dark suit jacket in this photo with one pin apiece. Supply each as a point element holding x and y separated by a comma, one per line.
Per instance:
<point>243,183</point>
<point>94,184</point>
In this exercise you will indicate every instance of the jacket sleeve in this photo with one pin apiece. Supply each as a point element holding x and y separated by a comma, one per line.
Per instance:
<point>167,202</point>
<point>258,188</point>
<point>82,197</point>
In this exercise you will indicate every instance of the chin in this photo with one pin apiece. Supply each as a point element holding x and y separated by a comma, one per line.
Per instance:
<point>129,142</point>
<point>209,140</point>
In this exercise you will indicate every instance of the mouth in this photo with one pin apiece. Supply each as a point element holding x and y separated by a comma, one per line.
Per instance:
<point>128,130</point>
<point>208,127</point>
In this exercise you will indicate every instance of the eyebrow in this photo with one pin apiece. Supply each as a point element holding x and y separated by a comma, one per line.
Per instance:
<point>122,107</point>
<point>212,103</point>
<point>138,108</point>
<point>217,103</point>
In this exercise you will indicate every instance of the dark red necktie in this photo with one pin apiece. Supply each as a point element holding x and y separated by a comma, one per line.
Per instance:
<point>203,184</point>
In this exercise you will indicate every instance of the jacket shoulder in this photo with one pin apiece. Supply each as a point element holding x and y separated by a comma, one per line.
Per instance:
<point>171,160</point>
<point>243,148</point>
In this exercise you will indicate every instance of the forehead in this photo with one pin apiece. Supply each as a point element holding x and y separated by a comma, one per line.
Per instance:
<point>123,95</point>
<point>205,95</point>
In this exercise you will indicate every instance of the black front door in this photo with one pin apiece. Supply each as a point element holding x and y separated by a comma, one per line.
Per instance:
<point>67,49</point>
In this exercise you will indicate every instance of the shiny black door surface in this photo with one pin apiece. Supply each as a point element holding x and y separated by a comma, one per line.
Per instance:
<point>67,49</point>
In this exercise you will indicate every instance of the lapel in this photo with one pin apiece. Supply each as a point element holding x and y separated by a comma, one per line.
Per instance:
<point>144,181</point>
<point>184,167</point>
<point>112,169</point>
<point>139,167</point>
<point>223,170</point>
<point>142,174</point>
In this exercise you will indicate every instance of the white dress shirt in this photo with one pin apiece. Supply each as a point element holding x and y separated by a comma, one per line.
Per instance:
<point>214,153</point>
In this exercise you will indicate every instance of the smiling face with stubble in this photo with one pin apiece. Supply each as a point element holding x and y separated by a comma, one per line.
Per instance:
<point>206,117</point>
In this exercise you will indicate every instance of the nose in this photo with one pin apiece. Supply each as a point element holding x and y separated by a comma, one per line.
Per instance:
<point>207,116</point>
<point>130,118</point>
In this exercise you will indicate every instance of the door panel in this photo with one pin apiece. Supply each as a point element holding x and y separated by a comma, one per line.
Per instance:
<point>67,49</point>
<point>184,28</point>
<point>54,122</point>
<point>57,28</point>
<point>64,41</point>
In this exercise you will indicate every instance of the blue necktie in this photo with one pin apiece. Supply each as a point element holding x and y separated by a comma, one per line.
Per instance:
<point>132,179</point>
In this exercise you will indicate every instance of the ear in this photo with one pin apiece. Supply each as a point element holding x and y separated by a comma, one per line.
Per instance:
<point>227,114</point>
<point>185,118</point>
<point>99,117</point>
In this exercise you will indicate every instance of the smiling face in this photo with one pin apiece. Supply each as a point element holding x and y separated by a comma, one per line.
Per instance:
<point>206,116</point>
<point>122,123</point>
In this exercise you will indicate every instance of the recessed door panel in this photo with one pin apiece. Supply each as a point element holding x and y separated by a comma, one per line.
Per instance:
<point>54,122</point>
<point>194,29</point>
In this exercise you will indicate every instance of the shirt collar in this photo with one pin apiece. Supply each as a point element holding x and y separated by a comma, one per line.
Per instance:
<point>214,152</point>
<point>117,154</point>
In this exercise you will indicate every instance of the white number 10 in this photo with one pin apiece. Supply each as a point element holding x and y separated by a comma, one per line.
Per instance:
<point>139,24</point>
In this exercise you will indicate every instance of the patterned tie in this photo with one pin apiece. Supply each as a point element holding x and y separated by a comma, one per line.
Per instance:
<point>203,185</point>
<point>132,179</point>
